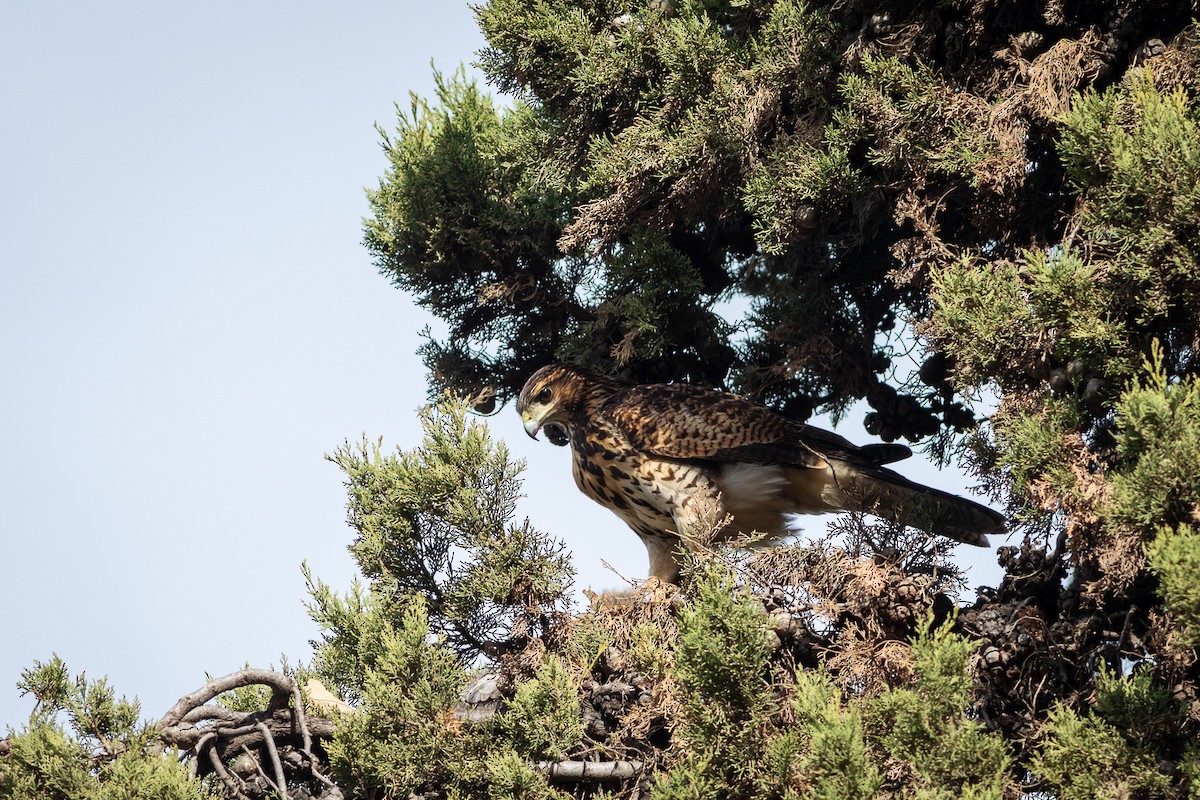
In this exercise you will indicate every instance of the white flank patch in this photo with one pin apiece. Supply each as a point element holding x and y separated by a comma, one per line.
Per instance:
<point>753,484</point>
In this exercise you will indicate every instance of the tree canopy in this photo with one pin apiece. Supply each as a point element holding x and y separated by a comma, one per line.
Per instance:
<point>832,170</point>
<point>815,202</point>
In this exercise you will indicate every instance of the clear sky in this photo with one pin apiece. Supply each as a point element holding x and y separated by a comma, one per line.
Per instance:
<point>188,323</point>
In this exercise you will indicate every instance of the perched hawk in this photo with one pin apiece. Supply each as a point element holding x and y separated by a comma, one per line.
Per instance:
<point>670,458</point>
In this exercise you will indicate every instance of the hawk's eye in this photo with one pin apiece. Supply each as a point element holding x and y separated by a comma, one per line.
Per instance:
<point>544,395</point>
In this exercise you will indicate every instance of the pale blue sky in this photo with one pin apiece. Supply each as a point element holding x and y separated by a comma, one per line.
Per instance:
<point>188,322</point>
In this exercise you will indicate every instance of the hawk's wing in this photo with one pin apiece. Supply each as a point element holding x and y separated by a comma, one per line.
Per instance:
<point>688,422</point>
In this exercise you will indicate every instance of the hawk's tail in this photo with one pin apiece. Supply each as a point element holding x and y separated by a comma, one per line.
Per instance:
<point>887,494</point>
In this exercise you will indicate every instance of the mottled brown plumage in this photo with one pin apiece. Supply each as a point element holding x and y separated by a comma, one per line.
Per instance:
<point>669,459</point>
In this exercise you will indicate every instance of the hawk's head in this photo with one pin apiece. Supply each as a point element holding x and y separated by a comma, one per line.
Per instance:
<point>550,397</point>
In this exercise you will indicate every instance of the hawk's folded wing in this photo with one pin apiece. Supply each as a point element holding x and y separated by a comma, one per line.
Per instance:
<point>686,422</point>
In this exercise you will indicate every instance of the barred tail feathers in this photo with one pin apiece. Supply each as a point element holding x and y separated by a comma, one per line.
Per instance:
<point>887,494</point>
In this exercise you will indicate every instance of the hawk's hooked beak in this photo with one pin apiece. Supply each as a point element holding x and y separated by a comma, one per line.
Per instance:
<point>532,426</point>
<point>555,432</point>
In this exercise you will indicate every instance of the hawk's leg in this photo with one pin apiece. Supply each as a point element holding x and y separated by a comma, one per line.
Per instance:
<point>698,519</point>
<point>664,561</point>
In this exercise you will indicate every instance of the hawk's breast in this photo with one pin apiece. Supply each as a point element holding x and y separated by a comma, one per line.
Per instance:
<point>645,492</point>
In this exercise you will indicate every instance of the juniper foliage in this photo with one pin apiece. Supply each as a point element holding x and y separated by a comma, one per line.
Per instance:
<point>435,522</point>
<point>83,742</point>
<point>811,202</point>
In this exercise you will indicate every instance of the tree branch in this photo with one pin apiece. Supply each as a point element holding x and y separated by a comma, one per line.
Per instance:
<point>235,680</point>
<point>589,771</point>
<point>264,732</point>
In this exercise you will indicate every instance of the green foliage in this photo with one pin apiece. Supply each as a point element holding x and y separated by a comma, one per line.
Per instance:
<point>785,188</point>
<point>1035,447</point>
<point>992,313</point>
<point>721,666</point>
<point>400,739</point>
<point>1115,748</point>
<point>1062,293</point>
<point>588,641</point>
<point>138,776</point>
<point>436,522</point>
<point>650,287</point>
<point>44,762</point>
<point>1159,442</point>
<point>748,726</point>
<point>736,743</point>
<point>464,177</point>
<point>1136,703</point>
<point>442,219</point>
<point>675,142</point>
<point>792,49</point>
<point>983,315</point>
<point>1156,494</point>
<point>907,116</point>
<point>513,778</point>
<point>833,168</point>
<point>926,725</point>
<point>352,630</point>
<point>404,737</point>
<point>543,719</point>
<point>1134,152</point>
<point>102,752</point>
<point>648,652</point>
<point>721,655</point>
<point>826,747</point>
<point>1174,555</point>
<point>1085,758</point>
<point>449,577</point>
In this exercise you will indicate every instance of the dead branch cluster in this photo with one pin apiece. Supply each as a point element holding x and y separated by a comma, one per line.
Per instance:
<point>255,754</point>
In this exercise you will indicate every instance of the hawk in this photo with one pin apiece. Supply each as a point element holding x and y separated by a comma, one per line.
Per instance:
<point>669,459</point>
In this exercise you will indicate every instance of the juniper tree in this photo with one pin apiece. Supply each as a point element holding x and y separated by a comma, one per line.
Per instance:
<point>813,202</point>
